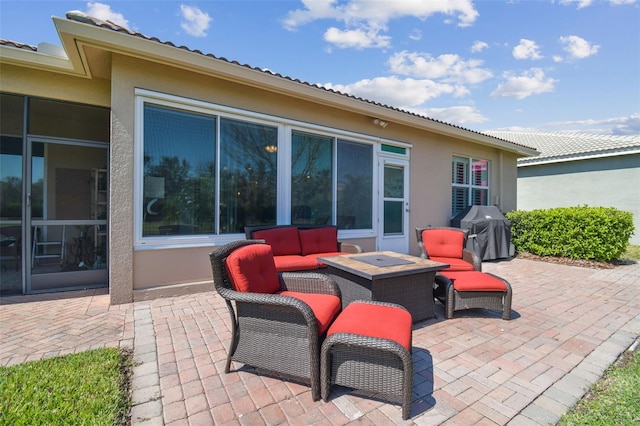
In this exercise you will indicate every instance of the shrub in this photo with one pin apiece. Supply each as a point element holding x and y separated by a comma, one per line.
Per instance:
<point>596,233</point>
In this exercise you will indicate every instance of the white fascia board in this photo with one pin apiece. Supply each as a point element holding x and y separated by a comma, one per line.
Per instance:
<point>155,51</point>
<point>38,60</point>
<point>568,159</point>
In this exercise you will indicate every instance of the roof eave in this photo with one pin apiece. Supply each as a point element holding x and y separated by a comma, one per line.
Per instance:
<point>75,35</point>
<point>568,159</point>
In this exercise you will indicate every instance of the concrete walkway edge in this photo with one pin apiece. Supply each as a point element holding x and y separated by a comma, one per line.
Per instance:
<point>146,397</point>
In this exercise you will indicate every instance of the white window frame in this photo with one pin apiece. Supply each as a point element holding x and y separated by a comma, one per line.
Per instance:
<point>285,129</point>
<point>470,185</point>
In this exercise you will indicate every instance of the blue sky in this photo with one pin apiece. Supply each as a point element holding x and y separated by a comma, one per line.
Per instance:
<point>561,65</point>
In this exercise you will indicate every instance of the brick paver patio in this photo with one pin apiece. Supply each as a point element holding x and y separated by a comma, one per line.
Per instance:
<point>569,324</point>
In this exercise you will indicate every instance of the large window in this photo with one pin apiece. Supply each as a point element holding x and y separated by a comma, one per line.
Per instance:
<point>470,183</point>
<point>248,175</point>
<point>179,172</point>
<point>355,185</point>
<point>208,171</point>
<point>312,193</point>
<point>311,179</point>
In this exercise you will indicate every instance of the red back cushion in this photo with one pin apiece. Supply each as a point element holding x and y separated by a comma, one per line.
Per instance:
<point>443,242</point>
<point>283,241</point>
<point>251,269</point>
<point>319,240</point>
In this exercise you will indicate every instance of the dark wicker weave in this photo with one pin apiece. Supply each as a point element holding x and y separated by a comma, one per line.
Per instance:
<point>459,300</point>
<point>467,255</point>
<point>270,331</point>
<point>370,364</point>
<point>412,291</point>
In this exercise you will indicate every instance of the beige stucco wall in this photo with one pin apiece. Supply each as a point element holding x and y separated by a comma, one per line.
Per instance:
<point>137,273</point>
<point>32,82</point>
<point>149,273</point>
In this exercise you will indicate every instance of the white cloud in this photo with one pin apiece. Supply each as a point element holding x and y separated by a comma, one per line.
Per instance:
<point>358,39</point>
<point>611,126</point>
<point>460,115</point>
<point>195,22</point>
<point>527,49</point>
<point>532,82</point>
<point>578,47</point>
<point>415,35</point>
<point>581,3</point>
<point>479,46</point>
<point>104,13</point>
<point>586,3</point>
<point>366,17</point>
<point>394,91</point>
<point>449,68</point>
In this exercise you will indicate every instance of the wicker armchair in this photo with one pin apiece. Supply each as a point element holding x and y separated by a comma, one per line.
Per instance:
<point>276,329</point>
<point>447,245</point>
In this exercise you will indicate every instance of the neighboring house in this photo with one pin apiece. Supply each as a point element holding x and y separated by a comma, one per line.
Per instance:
<point>126,159</point>
<point>575,169</point>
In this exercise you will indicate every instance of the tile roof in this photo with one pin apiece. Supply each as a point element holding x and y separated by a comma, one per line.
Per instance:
<point>82,17</point>
<point>558,146</point>
<point>4,42</point>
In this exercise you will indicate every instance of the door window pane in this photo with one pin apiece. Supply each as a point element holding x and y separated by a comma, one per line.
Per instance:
<point>179,172</point>
<point>248,175</point>
<point>393,182</point>
<point>393,217</point>
<point>355,185</point>
<point>311,179</point>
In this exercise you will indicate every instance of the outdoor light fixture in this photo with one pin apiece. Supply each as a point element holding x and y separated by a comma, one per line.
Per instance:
<point>271,148</point>
<point>380,123</point>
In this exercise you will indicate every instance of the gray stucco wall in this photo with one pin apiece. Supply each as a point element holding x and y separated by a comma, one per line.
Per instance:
<point>602,182</point>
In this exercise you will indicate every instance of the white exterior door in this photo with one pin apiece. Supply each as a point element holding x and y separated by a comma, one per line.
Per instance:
<point>393,225</point>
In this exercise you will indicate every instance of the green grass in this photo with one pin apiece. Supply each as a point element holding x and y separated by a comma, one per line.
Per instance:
<point>613,400</point>
<point>632,253</point>
<point>87,388</point>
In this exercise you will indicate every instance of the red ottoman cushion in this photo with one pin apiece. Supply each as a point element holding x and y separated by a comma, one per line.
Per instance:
<point>383,322</point>
<point>475,281</point>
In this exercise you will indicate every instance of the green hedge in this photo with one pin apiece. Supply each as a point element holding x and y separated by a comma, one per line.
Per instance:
<point>596,233</point>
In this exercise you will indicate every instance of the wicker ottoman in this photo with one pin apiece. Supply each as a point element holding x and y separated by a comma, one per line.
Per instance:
<point>473,289</point>
<point>368,347</point>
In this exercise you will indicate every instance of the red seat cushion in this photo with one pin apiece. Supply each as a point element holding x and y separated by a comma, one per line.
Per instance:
<point>325,307</point>
<point>455,264</point>
<point>319,264</point>
<point>283,241</point>
<point>475,281</point>
<point>443,242</point>
<point>252,269</point>
<point>296,262</point>
<point>319,240</point>
<point>383,322</point>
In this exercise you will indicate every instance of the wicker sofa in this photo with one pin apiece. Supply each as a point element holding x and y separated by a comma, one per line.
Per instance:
<point>298,247</point>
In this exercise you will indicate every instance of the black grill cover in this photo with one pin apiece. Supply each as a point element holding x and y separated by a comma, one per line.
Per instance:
<point>491,229</point>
